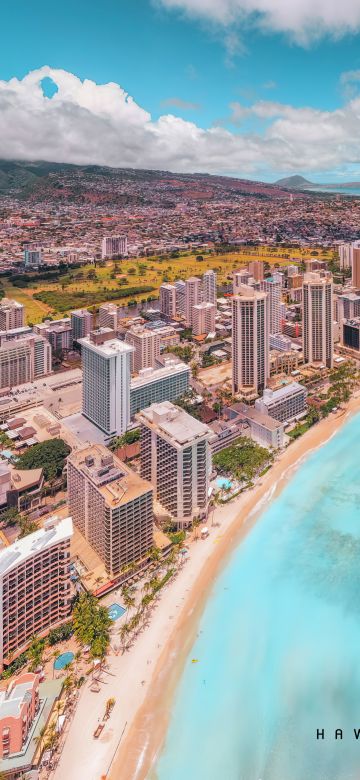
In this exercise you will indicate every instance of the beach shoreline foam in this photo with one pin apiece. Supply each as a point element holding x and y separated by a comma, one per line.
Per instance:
<point>147,723</point>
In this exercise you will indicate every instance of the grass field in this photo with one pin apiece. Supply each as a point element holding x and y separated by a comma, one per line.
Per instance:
<point>127,274</point>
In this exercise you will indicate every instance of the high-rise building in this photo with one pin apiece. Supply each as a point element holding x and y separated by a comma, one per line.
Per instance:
<point>81,323</point>
<point>350,333</point>
<point>108,316</point>
<point>355,277</point>
<point>168,300</point>
<point>241,278</point>
<point>24,359</point>
<point>57,332</point>
<point>192,297</point>
<point>256,269</point>
<point>318,326</point>
<point>180,288</point>
<point>273,288</point>
<point>209,287</point>
<point>111,506</point>
<point>176,459</point>
<point>347,306</point>
<point>106,381</point>
<point>151,386</point>
<point>345,255</point>
<point>11,314</point>
<point>203,318</point>
<point>250,340</point>
<point>146,344</point>
<point>112,246</point>
<point>32,256</point>
<point>35,591</point>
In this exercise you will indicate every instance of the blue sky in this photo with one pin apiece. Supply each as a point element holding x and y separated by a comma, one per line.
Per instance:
<point>178,63</point>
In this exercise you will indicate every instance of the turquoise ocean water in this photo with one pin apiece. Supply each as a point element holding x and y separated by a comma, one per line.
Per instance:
<point>279,640</point>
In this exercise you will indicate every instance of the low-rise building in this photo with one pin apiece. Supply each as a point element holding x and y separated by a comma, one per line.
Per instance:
<point>263,429</point>
<point>286,404</point>
<point>19,705</point>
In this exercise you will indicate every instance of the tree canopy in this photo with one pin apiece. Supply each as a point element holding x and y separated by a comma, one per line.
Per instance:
<point>92,625</point>
<point>49,455</point>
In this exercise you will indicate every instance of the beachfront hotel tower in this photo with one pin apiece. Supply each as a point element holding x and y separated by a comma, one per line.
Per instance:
<point>176,459</point>
<point>318,327</point>
<point>111,505</point>
<point>35,591</point>
<point>250,340</point>
<point>106,381</point>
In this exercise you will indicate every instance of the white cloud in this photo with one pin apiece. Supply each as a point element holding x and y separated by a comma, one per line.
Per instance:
<point>183,105</point>
<point>89,123</point>
<point>303,20</point>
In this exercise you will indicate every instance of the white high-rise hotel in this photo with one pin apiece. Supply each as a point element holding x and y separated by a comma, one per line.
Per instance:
<point>318,328</point>
<point>106,381</point>
<point>113,246</point>
<point>250,343</point>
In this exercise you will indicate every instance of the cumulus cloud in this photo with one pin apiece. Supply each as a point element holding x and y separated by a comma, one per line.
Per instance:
<point>303,20</point>
<point>84,122</point>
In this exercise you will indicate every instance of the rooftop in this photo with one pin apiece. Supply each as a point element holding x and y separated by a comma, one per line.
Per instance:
<point>174,422</point>
<point>147,375</point>
<point>53,532</point>
<point>105,343</point>
<point>113,479</point>
<point>282,392</point>
<point>251,413</point>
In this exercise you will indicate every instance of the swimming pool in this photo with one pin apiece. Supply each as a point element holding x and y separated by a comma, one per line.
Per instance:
<point>222,483</point>
<point>115,611</point>
<point>63,660</point>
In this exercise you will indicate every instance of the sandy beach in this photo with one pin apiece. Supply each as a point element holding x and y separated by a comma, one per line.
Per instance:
<point>144,679</point>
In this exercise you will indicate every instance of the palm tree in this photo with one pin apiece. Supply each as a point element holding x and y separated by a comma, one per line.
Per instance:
<point>39,739</point>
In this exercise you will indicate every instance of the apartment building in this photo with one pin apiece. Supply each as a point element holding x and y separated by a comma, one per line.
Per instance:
<point>193,294</point>
<point>203,319</point>
<point>345,255</point>
<point>250,340</point>
<point>81,321</point>
<point>318,327</point>
<point>168,300</point>
<point>35,593</point>
<point>256,270</point>
<point>111,506</point>
<point>108,316</point>
<point>57,332</point>
<point>176,459</point>
<point>19,705</point>
<point>33,257</point>
<point>273,288</point>
<point>180,291</point>
<point>24,359</point>
<point>156,385</point>
<point>286,404</point>
<point>12,314</point>
<point>146,347</point>
<point>106,381</point>
<point>209,287</point>
<point>241,278</point>
<point>113,246</point>
<point>347,306</point>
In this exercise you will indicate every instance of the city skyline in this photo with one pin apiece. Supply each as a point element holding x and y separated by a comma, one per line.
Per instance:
<point>224,104</point>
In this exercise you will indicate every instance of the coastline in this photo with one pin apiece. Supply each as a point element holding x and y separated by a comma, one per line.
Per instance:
<point>146,731</point>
